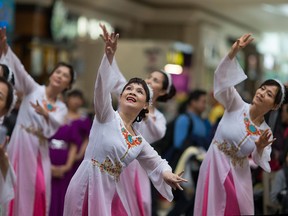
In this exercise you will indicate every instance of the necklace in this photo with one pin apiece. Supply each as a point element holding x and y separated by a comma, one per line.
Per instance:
<point>129,138</point>
<point>49,106</point>
<point>250,128</point>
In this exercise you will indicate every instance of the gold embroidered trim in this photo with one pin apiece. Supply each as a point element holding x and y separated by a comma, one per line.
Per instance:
<point>231,152</point>
<point>109,167</point>
<point>36,132</point>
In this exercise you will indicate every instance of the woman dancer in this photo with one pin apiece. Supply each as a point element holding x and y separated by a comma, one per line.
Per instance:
<point>40,115</point>
<point>225,185</point>
<point>7,176</point>
<point>152,128</point>
<point>67,148</point>
<point>113,144</point>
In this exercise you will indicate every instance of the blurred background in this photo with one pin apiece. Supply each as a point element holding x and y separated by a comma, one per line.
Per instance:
<point>186,37</point>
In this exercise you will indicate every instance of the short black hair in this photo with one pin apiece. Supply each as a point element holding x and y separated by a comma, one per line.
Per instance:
<point>142,82</point>
<point>195,95</point>
<point>75,93</point>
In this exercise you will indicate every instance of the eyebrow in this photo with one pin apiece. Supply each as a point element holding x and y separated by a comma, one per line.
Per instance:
<point>269,90</point>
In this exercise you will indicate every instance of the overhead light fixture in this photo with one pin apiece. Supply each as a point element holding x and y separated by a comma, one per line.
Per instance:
<point>281,9</point>
<point>173,68</point>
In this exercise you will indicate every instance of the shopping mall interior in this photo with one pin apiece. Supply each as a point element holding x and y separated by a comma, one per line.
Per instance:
<point>153,33</point>
<point>187,38</point>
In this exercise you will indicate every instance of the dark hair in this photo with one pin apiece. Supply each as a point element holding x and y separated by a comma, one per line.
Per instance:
<point>10,94</point>
<point>75,93</point>
<point>165,85</point>
<point>140,81</point>
<point>6,72</point>
<point>193,96</point>
<point>278,97</point>
<point>71,70</point>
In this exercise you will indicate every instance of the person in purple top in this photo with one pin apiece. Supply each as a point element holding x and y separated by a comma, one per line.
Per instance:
<point>67,148</point>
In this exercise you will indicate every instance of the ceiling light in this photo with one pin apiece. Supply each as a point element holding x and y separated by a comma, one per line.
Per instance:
<point>173,68</point>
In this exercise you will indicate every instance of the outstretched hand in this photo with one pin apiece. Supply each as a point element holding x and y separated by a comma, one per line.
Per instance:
<point>264,140</point>
<point>242,42</point>
<point>174,180</point>
<point>39,109</point>
<point>3,42</point>
<point>110,42</point>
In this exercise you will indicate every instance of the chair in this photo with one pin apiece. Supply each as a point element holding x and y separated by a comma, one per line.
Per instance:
<point>268,206</point>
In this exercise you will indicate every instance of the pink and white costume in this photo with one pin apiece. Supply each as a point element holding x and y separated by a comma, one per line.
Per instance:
<point>6,190</point>
<point>225,185</point>
<point>135,180</point>
<point>110,149</point>
<point>28,147</point>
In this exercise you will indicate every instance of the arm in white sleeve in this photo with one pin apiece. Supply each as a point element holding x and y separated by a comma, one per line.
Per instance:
<point>7,186</point>
<point>153,128</point>
<point>228,74</point>
<point>105,83</point>
<point>120,79</point>
<point>155,166</point>
<point>54,121</point>
<point>263,159</point>
<point>23,81</point>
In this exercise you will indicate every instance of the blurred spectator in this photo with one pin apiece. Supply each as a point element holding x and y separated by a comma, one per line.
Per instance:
<point>198,137</point>
<point>279,193</point>
<point>216,111</point>
<point>67,148</point>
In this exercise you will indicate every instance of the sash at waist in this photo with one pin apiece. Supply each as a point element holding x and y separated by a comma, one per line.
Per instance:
<point>38,132</point>
<point>231,152</point>
<point>112,168</point>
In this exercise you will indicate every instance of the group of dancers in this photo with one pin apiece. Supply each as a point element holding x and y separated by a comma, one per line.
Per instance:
<point>114,176</point>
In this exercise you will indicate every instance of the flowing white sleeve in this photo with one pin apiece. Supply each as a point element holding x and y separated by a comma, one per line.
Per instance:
<point>55,120</point>
<point>153,128</point>
<point>23,81</point>
<point>7,186</point>
<point>228,74</point>
<point>155,166</point>
<point>105,83</point>
<point>263,159</point>
<point>120,82</point>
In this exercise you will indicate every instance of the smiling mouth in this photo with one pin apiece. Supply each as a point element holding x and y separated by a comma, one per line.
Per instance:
<point>258,98</point>
<point>131,99</point>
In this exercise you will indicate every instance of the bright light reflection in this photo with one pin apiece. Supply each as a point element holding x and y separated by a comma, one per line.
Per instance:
<point>173,68</point>
<point>82,26</point>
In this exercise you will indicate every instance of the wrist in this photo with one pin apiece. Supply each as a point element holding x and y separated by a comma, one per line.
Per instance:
<point>232,53</point>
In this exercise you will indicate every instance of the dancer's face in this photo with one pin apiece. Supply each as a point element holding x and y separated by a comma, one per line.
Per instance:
<point>155,80</point>
<point>61,78</point>
<point>133,96</point>
<point>3,98</point>
<point>265,97</point>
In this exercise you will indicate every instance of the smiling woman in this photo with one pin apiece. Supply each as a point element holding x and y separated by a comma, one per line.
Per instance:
<point>142,96</point>
<point>40,115</point>
<point>7,175</point>
<point>224,185</point>
<point>113,144</point>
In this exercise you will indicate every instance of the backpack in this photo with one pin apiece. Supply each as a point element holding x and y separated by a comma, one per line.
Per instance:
<point>165,146</point>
